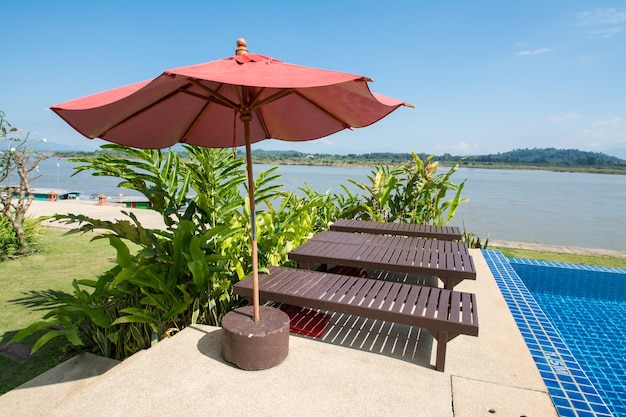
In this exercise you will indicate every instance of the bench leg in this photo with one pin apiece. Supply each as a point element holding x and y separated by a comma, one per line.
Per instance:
<point>309,266</point>
<point>449,283</point>
<point>305,265</point>
<point>442,344</point>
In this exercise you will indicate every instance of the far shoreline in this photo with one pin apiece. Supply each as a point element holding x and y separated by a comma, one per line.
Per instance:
<point>547,159</point>
<point>581,170</point>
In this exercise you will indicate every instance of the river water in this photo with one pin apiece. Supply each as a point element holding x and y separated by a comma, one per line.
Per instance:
<point>572,209</point>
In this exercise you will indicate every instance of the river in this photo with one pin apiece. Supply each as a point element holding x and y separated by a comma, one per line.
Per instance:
<point>556,208</point>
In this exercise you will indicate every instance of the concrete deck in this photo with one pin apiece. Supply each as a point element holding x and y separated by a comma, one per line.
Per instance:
<point>360,367</point>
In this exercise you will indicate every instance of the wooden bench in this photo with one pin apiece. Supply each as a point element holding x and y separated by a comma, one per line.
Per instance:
<point>392,228</point>
<point>445,314</point>
<point>392,241</point>
<point>450,267</point>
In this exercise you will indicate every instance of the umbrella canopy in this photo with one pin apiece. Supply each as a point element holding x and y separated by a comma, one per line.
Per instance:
<point>230,102</point>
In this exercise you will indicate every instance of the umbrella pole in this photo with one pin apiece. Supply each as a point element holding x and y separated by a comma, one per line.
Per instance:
<point>246,118</point>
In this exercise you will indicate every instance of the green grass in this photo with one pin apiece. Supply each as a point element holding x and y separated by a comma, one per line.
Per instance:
<point>24,281</point>
<point>569,258</point>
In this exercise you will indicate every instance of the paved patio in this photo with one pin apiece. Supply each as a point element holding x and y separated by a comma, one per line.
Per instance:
<point>360,367</point>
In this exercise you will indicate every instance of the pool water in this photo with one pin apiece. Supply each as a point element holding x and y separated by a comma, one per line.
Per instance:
<point>572,318</point>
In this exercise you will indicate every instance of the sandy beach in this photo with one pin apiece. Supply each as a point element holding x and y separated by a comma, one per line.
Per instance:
<point>110,212</point>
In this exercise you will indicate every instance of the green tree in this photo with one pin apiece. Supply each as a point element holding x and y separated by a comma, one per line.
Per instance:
<point>18,160</point>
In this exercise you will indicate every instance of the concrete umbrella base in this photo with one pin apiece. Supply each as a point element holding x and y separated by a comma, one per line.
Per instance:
<point>255,345</point>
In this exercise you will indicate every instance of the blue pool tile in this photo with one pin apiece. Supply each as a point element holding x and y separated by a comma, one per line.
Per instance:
<point>599,407</point>
<point>585,413</point>
<point>577,396</point>
<point>580,405</point>
<point>556,393</point>
<point>566,411</point>
<point>568,296</point>
<point>560,401</point>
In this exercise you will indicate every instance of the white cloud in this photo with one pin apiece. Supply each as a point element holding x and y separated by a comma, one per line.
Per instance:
<point>602,23</point>
<point>563,118</point>
<point>606,124</point>
<point>603,134</point>
<point>534,52</point>
<point>601,17</point>
<point>604,33</point>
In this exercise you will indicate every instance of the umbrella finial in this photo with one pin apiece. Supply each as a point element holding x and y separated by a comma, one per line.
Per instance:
<point>241,47</point>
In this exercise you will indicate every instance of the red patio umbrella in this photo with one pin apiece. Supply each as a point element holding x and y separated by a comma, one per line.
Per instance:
<point>230,102</point>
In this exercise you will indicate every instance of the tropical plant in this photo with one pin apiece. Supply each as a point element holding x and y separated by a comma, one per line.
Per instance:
<point>180,275</point>
<point>183,274</point>
<point>9,242</point>
<point>473,241</point>
<point>410,193</point>
<point>177,277</point>
<point>169,284</point>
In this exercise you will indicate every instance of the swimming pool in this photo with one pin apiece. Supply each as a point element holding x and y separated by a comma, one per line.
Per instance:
<point>572,319</point>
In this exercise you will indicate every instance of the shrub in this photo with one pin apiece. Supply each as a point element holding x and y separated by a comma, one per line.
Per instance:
<point>184,274</point>
<point>411,193</point>
<point>180,275</point>
<point>9,243</point>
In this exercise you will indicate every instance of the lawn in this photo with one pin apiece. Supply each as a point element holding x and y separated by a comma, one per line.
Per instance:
<point>568,258</point>
<point>22,283</point>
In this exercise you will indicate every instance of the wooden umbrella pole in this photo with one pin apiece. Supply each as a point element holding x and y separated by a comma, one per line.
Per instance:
<point>246,118</point>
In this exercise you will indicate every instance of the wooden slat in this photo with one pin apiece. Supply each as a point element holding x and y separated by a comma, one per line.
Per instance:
<point>449,267</point>
<point>391,298</point>
<point>390,240</point>
<point>455,307</point>
<point>335,290</point>
<point>411,300</point>
<point>392,228</point>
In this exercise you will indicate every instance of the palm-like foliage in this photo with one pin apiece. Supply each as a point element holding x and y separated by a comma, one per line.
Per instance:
<point>410,193</point>
<point>167,279</point>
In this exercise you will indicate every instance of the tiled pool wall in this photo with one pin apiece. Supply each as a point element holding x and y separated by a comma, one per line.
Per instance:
<point>572,280</point>
<point>587,305</point>
<point>571,390</point>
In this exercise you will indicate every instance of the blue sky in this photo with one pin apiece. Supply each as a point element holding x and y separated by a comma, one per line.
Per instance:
<point>484,76</point>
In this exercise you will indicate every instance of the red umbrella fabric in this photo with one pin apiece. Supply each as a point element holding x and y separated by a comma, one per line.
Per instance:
<point>230,102</point>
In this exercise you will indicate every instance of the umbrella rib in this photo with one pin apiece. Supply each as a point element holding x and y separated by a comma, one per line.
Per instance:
<point>138,112</point>
<point>195,121</point>
<point>261,119</point>
<point>322,109</point>
<point>276,96</point>
<point>213,98</point>
<point>213,95</point>
<point>257,107</point>
<point>237,93</point>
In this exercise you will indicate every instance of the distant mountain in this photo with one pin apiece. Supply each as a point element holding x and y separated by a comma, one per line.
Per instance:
<point>535,156</point>
<point>550,156</point>
<point>538,157</point>
<point>61,147</point>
